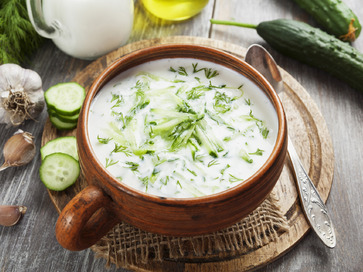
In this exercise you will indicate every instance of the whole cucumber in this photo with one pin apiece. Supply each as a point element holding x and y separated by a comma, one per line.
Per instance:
<point>311,46</point>
<point>315,47</point>
<point>334,16</point>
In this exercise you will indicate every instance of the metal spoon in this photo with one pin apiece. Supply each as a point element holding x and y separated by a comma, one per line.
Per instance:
<point>313,206</point>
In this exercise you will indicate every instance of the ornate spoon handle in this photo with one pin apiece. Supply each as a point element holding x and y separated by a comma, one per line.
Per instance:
<point>313,206</point>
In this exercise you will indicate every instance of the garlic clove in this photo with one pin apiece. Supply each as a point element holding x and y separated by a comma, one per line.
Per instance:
<point>18,150</point>
<point>10,215</point>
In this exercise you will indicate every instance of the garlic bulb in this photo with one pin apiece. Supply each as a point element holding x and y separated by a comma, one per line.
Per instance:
<point>21,94</point>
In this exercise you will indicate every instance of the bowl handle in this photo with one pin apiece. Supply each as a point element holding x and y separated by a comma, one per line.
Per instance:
<point>85,219</point>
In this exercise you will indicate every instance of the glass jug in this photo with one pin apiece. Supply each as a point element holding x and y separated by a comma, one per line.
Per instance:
<point>83,29</point>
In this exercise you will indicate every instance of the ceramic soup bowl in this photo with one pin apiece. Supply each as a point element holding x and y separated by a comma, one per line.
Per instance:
<point>107,201</point>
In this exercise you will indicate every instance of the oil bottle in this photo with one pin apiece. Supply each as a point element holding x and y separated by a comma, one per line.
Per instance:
<point>174,10</point>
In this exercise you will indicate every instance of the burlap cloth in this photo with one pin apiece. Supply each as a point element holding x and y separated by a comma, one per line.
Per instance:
<point>126,244</point>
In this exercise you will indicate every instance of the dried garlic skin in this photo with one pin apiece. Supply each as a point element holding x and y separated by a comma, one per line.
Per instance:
<point>21,94</point>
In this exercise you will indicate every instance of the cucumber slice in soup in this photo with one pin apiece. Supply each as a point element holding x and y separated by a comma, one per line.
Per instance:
<point>65,98</point>
<point>67,145</point>
<point>59,171</point>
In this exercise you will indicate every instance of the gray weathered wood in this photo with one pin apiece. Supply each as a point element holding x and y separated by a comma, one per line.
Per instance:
<point>31,245</point>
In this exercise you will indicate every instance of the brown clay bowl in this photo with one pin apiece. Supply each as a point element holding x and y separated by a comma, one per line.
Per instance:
<point>106,201</point>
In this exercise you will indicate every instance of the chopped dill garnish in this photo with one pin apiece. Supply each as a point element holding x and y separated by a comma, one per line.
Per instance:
<point>221,102</point>
<point>118,98</point>
<point>259,152</point>
<point>245,156</point>
<point>114,97</point>
<point>116,105</point>
<point>208,72</point>
<point>120,117</point>
<point>216,87</point>
<point>195,70</point>
<point>133,166</point>
<point>264,131</point>
<point>199,158</point>
<point>165,180</point>
<point>233,178</point>
<point>225,168</point>
<point>145,181</point>
<point>110,162</point>
<point>178,81</point>
<point>103,140</point>
<point>195,93</point>
<point>213,162</point>
<point>182,71</point>
<point>141,86</point>
<point>192,172</point>
<point>120,148</point>
<point>259,123</point>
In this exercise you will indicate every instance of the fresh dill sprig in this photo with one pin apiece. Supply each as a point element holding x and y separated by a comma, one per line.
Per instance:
<point>181,71</point>
<point>145,181</point>
<point>259,152</point>
<point>225,168</point>
<point>110,162</point>
<point>222,102</point>
<point>119,100</point>
<point>114,97</point>
<point>133,166</point>
<point>120,148</point>
<point>103,140</point>
<point>192,172</point>
<point>196,92</point>
<point>165,180</point>
<point>245,156</point>
<point>18,38</point>
<point>259,123</point>
<point>233,178</point>
<point>213,162</point>
<point>209,73</point>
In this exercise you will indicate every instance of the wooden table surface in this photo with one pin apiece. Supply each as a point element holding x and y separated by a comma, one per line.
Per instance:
<point>31,245</point>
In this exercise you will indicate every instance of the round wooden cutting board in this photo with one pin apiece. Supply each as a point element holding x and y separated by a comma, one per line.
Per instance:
<point>307,129</point>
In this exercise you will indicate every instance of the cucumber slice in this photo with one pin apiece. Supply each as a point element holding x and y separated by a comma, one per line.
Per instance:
<point>65,98</point>
<point>60,124</point>
<point>64,118</point>
<point>59,171</point>
<point>67,145</point>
